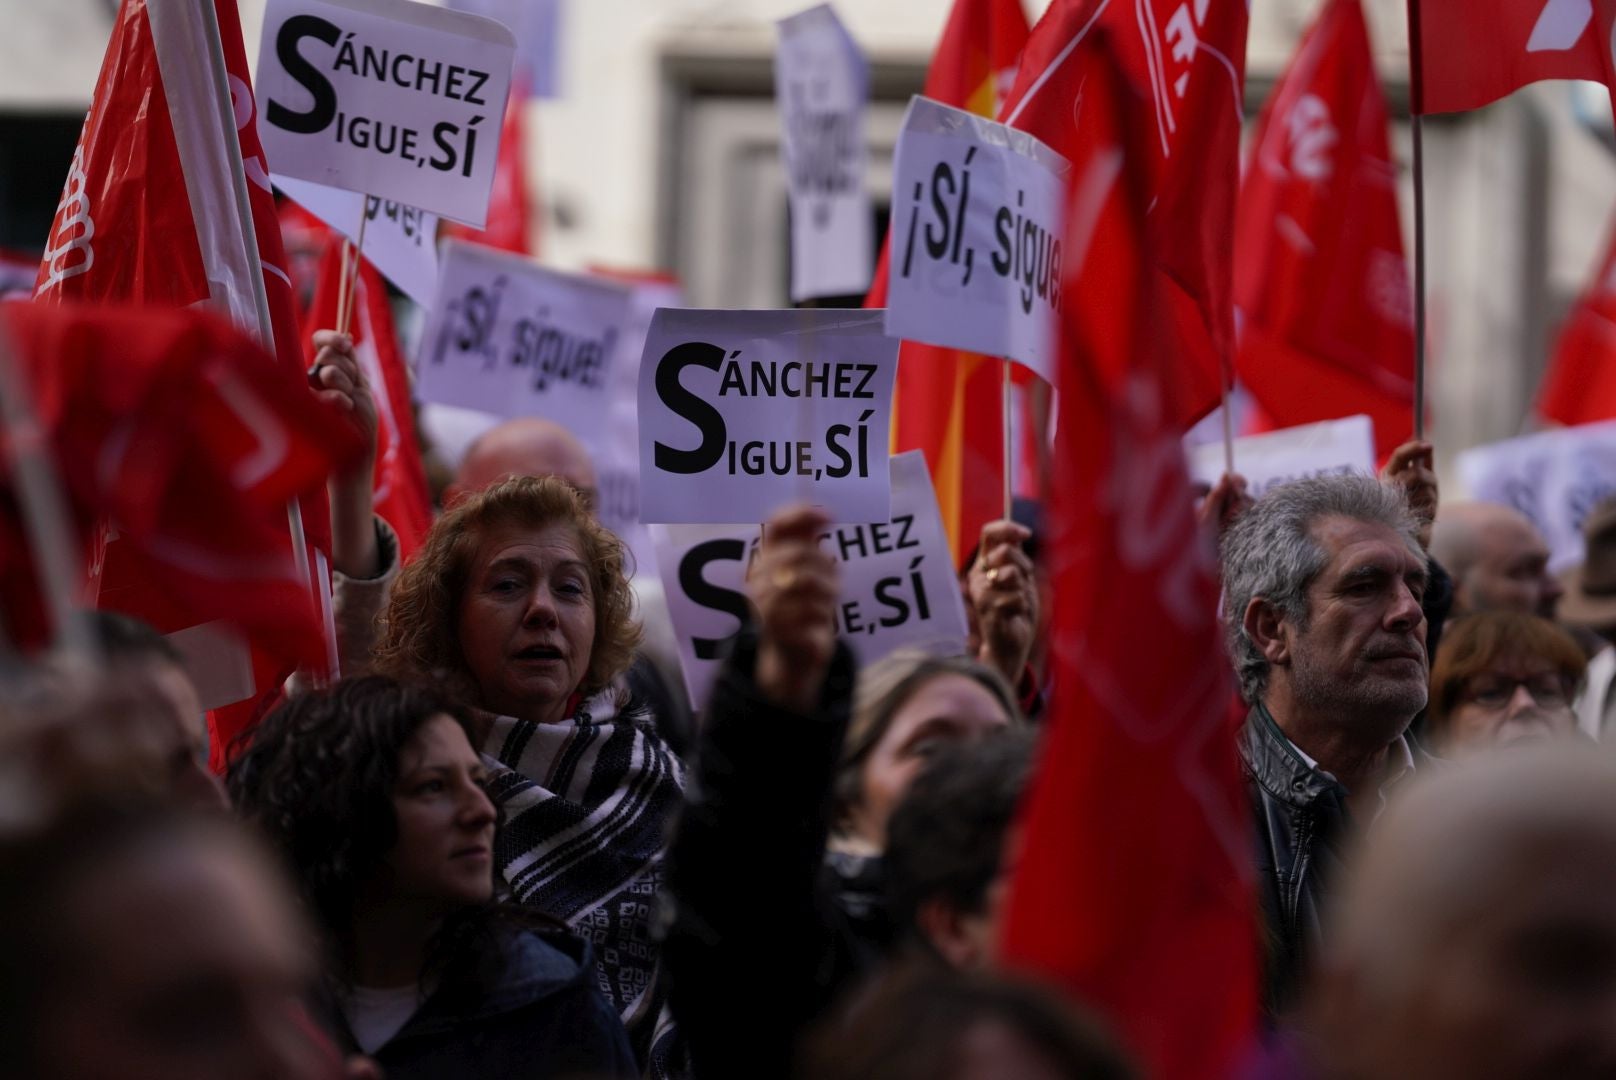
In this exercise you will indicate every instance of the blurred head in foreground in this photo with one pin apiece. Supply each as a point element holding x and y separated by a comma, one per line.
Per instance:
<point>1476,933</point>
<point>145,941</point>
<point>919,1023</point>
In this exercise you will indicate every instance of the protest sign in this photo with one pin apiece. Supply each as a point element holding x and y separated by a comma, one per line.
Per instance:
<point>897,581</point>
<point>536,25</point>
<point>1555,478</point>
<point>507,337</point>
<point>616,448</point>
<point>821,85</point>
<point>400,241</point>
<point>386,97</point>
<point>742,412</point>
<point>976,236</point>
<point>1331,448</point>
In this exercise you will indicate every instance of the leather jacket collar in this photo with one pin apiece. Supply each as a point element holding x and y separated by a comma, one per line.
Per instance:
<point>1277,767</point>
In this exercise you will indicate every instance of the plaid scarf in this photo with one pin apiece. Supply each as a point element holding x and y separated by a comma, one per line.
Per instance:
<point>587,804</point>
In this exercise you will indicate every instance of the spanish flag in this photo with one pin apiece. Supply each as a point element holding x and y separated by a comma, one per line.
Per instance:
<point>948,402</point>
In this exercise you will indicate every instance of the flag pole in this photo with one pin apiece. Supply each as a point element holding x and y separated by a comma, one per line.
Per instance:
<point>1416,79</point>
<point>347,294</point>
<point>44,513</point>
<point>1009,455</point>
<point>318,588</point>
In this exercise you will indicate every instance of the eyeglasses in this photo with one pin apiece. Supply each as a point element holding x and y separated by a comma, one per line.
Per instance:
<point>1496,691</point>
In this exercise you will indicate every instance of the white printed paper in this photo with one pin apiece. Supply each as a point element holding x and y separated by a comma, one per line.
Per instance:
<point>822,85</point>
<point>742,412</point>
<point>400,241</point>
<point>1555,478</point>
<point>386,97</point>
<point>897,582</point>
<point>508,337</point>
<point>616,448</point>
<point>1332,448</point>
<point>976,236</point>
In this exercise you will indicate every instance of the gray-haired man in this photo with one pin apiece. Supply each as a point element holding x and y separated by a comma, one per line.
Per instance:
<point>1322,580</point>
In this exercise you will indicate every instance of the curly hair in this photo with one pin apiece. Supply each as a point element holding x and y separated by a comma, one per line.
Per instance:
<point>317,780</point>
<point>419,641</point>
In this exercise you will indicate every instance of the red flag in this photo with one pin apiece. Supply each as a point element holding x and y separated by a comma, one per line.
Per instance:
<point>508,225</point>
<point>1580,385</point>
<point>153,213</point>
<point>401,494</point>
<point>1468,53</point>
<point>177,432</point>
<point>947,402</point>
<point>1147,915</point>
<point>1320,277</point>
<point>1191,59</point>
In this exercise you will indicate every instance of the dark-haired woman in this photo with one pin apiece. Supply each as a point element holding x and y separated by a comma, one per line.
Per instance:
<point>375,797</point>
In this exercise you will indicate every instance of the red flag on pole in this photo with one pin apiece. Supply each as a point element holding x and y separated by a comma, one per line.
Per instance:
<point>1190,58</point>
<point>167,203</point>
<point>1321,280</point>
<point>177,431</point>
<point>947,402</point>
<point>509,224</point>
<point>1580,385</point>
<point>1469,53</point>
<point>1148,916</point>
<point>401,494</point>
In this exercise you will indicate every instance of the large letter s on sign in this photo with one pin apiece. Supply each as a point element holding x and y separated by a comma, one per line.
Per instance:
<point>324,110</point>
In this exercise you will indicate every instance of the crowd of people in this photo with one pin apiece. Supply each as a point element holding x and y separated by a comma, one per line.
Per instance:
<point>503,846</point>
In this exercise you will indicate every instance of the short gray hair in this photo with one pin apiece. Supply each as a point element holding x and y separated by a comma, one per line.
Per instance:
<point>1270,551</point>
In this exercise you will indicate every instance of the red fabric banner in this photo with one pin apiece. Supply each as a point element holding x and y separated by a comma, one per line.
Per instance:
<point>1580,385</point>
<point>1469,53</point>
<point>151,215</point>
<point>509,224</point>
<point>176,431</point>
<point>402,496</point>
<point>948,403</point>
<point>1321,280</point>
<point>1190,58</point>
<point>1147,915</point>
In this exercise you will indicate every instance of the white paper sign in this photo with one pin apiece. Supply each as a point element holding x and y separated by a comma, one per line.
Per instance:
<point>617,449</point>
<point>976,236</point>
<point>386,97</point>
<point>536,25</point>
<point>898,585</point>
<point>400,241</point>
<point>507,337</point>
<point>822,85</point>
<point>1332,448</point>
<point>742,412</point>
<point>1555,478</point>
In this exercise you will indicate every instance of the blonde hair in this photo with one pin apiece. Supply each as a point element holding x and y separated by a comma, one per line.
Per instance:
<point>419,640</point>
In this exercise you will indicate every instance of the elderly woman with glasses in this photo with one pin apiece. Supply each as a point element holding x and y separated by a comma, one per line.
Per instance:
<point>1502,677</point>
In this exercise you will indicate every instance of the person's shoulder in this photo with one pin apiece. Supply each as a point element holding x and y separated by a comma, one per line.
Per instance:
<point>541,962</point>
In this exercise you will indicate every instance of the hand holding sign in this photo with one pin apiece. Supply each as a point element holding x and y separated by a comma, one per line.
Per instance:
<point>794,584</point>
<point>1412,469</point>
<point>1004,600</point>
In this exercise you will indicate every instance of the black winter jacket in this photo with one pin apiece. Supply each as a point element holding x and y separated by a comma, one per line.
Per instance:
<point>1302,821</point>
<point>757,946</point>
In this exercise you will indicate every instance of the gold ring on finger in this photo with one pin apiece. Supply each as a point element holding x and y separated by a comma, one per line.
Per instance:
<point>993,575</point>
<point>784,579</point>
